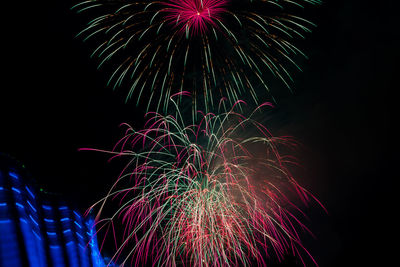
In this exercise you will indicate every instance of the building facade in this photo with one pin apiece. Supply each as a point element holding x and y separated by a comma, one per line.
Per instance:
<point>39,230</point>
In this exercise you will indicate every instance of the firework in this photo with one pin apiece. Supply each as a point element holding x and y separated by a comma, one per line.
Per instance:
<point>195,16</point>
<point>212,48</point>
<point>203,193</point>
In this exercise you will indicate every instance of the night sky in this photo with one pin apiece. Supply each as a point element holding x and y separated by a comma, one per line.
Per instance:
<point>54,101</point>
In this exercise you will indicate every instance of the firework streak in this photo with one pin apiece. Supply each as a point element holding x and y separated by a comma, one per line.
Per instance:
<point>213,48</point>
<point>203,194</point>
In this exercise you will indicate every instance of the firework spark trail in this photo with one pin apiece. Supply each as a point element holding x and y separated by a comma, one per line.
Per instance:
<point>213,48</point>
<point>204,194</point>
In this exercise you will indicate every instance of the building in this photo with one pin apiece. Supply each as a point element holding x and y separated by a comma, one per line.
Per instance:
<point>37,229</point>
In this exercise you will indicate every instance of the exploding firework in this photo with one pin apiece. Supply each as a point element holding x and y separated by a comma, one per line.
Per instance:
<point>195,16</point>
<point>212,48</point>
<point>204,194</point>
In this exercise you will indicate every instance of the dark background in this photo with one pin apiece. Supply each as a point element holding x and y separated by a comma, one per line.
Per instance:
<point>343,109</point>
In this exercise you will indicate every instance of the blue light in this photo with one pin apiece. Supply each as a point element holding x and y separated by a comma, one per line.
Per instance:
<point>49,220</point>
<point>30,192</point>
<point>13,175</point>
<point>33,220</point>
<point>5,221</point>
<point>3,204</point>
<point>79,235</point>
<point>19,205</point>
<point>64,219</point>
<point>37,236</point>
<point>15,190</point>
<point>78,224</point>
<point>30,205</point>
<point>67,231</point>
<point>46,207</point>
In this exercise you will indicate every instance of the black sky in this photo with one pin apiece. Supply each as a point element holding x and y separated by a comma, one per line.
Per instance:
<point>54,101</point>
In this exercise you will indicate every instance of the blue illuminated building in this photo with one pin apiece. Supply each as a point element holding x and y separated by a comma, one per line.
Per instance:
<point>36,230</point>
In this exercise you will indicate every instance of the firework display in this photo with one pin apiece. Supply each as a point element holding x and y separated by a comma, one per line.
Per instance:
<point>212,48</point>
<point>211,189</point>
<point>216,191</point>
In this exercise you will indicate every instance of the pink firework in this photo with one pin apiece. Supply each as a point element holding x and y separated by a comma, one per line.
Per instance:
<point>194,15</point>
<point>205,193</point>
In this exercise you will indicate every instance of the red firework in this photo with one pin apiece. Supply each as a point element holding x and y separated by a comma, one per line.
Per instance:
<point>205,193</point>
<point>194,15</point>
